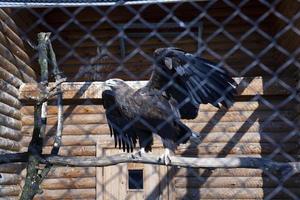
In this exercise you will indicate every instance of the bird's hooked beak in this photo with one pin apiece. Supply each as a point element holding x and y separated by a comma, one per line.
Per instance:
<point>109,84</point>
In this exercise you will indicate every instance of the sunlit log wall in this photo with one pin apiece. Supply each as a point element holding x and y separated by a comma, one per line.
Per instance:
<point>14,71</point>
<point>243,130</point>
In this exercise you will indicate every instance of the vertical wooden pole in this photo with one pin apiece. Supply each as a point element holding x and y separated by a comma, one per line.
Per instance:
<point>58,76</point>
<point>32,182</point>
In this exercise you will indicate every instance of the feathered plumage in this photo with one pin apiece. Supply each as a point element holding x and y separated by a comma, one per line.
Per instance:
<point>179,83</point>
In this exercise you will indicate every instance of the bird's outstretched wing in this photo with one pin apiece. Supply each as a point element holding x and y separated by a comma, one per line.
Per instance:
<point>191,81</point>
<point>124,135</point>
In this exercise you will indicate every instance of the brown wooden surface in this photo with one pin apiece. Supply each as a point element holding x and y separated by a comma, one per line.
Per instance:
<point>9,100</point>
<point>6,132</point>
<point>190,172</point>
<point>66,141</point>
<point>71,150</point>
<point>9,198</point>
<point>9,144</point>
<point>100,129</point>
<point>93,90</point>
<point>71,172</point>
<point>14,70</point>
<point>12,168</point>
<point>233,182</point>
<point>218,10</point>
<point>230,193</point>
<point>243,148</point>
<point>10,78</point>
<point>240,137</point>
<point>242,116</point>
<point>69,183</point>
<point>10,122</point>
<point>14,59</point>
<point>15,49</point>
<point>5,17</point>
<point>289,40</point>
<point>7,87</point>
<point>237,106</point>
<point>220,44</point>
<point>9,179</point>
<point>187,149</point>
<point>4,28</point>
<point>9,190</point>
<point>67,194</point>
<point>10,111</point>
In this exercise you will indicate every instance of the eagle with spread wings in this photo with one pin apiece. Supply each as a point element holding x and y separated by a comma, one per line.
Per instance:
<point>179,83</point>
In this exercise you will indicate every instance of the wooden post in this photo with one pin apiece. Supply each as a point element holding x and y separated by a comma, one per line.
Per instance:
<point>58,77</point>
<point>35,176</point>
<point>32,181</point>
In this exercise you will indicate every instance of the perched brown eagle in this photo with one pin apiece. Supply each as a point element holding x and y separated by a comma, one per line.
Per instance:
<point>179,83</point>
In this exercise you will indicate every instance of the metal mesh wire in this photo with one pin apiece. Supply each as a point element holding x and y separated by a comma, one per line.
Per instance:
<point>256,41</point>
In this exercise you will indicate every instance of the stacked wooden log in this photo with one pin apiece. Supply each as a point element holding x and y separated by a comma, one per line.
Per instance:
<point>14,71</point>
<point>238,131</point>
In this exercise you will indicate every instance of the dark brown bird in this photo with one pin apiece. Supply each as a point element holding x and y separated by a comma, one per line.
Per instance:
<point>179,83</point>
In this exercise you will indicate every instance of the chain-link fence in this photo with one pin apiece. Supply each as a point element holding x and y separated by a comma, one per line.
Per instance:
<point>257,42</point>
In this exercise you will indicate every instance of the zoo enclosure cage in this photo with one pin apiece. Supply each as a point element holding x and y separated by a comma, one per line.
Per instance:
<point>257,42</point>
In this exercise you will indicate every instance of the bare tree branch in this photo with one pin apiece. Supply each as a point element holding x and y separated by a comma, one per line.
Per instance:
<point>32,180</point>
<point>48,93</point>
<point>236,162</point>
<point>35,175</point>
<point>58,80</point>
<point>243,162</point>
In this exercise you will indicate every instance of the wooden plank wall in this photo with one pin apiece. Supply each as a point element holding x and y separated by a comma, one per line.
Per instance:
<point>14,71</point>
<point>243,130</point>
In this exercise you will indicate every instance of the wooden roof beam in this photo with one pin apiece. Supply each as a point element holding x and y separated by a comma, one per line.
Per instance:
<point>247,86</point>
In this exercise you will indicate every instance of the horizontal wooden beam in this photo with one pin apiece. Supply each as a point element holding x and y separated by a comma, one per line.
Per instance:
<point>237,106</point>
<point>93,90</point>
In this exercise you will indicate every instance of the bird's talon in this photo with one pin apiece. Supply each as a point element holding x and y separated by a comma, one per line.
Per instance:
<point>165,158</point>
<point>139,153</point>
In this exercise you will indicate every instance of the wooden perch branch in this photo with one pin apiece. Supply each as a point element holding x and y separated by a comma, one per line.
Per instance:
<point>237,162</point>
<point>176,161</point>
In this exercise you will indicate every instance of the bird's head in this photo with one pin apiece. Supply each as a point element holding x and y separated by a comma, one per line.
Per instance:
<point>114,84</point>
<point>163,56</point>
<point>167,51</point>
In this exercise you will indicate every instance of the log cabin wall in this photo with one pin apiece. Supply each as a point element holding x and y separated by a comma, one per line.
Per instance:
<point>14,71</point>
<point>251,127</point>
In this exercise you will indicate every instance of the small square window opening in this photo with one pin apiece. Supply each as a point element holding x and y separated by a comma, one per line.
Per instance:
<point>135,179</point>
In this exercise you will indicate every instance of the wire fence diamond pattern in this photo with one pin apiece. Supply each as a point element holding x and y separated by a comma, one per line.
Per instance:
<point>256,41</point>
